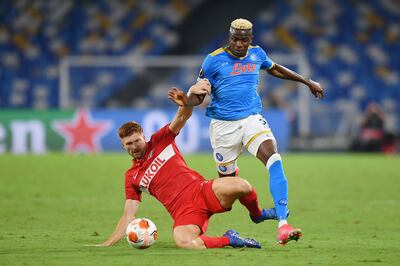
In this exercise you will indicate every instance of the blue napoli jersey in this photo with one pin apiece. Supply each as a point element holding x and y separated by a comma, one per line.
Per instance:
<point>234,82</point>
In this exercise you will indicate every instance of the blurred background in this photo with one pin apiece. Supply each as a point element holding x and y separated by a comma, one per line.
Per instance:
<point>72,71</point>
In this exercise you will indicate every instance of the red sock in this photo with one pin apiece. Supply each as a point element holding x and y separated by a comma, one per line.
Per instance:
<point>250,201</point>
<point>215,242</point>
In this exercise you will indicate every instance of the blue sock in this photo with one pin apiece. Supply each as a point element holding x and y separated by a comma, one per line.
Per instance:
<point>278,185</point>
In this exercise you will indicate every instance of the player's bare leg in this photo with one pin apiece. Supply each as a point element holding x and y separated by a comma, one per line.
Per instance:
<point>187,236</point>
<point>257,215</point>
<point>229,189</point>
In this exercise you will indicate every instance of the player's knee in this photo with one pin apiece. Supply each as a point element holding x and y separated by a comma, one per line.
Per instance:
<point>181,243</point>
<point>185,243</point>
<point>243,187</point>
<point>266,150</point>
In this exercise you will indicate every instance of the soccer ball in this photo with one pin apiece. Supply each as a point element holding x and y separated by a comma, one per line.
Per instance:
<point>141,233</point>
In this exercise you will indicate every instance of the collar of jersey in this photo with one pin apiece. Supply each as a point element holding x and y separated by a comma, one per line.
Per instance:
<point>226,49</point>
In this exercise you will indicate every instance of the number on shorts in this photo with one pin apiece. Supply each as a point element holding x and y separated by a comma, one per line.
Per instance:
<point>263,121</point>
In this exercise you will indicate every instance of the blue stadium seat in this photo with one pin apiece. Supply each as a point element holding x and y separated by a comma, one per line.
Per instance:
<point>339,37</point>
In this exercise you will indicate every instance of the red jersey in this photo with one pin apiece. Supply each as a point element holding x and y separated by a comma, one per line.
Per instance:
<point>162,172</point>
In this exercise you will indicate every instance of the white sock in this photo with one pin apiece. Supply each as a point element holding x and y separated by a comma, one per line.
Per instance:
<point>282,222</point>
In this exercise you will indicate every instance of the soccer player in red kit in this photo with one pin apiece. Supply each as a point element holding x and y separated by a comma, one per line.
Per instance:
<point>160,170</point>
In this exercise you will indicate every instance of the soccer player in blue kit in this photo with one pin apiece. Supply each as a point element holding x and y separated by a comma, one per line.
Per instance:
<point>235,107</point>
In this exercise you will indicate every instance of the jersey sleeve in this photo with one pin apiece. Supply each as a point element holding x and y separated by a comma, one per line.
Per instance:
<point>266,62</point>
<point>132,192</point>
<point>207,69</point>
<point>164,134</point>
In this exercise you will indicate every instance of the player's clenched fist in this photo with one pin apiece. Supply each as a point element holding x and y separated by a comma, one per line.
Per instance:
<point>202,87</point>
<point>195,95</point>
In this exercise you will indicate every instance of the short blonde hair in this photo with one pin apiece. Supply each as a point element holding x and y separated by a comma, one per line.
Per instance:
<point>241,24</point>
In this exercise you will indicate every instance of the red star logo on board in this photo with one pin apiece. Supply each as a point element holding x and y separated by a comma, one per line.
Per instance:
<point>82,134</point>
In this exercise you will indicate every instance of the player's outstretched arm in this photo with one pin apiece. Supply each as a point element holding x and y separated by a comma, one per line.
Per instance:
<point>130,210</point>
<point>185,106</point>
<point>195,95</point>
<point>282,72</point>
<point>198,91</point>
<point>184,111</point>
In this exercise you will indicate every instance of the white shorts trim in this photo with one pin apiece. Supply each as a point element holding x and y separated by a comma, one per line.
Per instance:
<point>254,143</point>
<point>228,137</point>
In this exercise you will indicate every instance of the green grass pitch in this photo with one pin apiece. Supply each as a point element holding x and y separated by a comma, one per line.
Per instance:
<point>51,206</point>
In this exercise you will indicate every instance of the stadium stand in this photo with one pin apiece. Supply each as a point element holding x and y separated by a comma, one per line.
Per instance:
<point>352,47</point>
<point>35,35</point>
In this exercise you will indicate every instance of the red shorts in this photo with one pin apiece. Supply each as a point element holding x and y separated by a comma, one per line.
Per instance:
<point>197,206</point>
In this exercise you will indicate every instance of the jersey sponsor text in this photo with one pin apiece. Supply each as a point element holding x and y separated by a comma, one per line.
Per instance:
<point>238,68</point>
<point>154,167</point>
